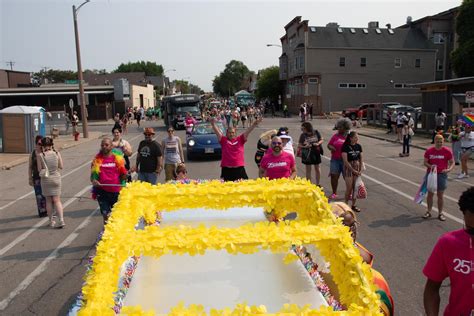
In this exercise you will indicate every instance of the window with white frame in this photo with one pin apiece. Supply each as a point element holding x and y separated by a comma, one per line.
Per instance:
<point>363,61</point>
<point>301,62</point>
<point>342,61</point>
<point>398,62</point>
<point>351,85</point>
<point>439,65</point>
<point>398,85</point>
<point>439,38</point>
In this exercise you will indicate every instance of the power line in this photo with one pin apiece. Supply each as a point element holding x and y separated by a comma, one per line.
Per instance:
<point>11,63</point>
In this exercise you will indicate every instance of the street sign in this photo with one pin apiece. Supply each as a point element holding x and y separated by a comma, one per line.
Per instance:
<point>71,103</point>
<point>469,96</point>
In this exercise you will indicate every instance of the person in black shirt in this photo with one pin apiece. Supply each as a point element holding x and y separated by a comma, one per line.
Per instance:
<point>149,158</point>
<point>352,159</point>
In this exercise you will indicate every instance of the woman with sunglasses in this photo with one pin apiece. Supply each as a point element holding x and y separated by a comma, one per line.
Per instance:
<point>34,178</point>
<point>352,159</point>
<point>172,153</point>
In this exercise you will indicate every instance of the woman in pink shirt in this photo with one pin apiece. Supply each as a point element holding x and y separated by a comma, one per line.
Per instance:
<point>336,167</point>
<point>441,157</point>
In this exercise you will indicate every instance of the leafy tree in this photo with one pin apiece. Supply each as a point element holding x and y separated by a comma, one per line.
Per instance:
<point>54,76</point>
<point>150,68</point>
<point>463,63</point>
<point>231,79</point>
<point>268,83</point>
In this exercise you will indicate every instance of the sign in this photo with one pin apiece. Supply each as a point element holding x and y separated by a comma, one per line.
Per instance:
<point>469,96</point>
<point>71,81</point>
<point>71,103</point>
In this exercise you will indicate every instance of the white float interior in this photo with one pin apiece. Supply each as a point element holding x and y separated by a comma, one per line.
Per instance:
<point>218,279</point>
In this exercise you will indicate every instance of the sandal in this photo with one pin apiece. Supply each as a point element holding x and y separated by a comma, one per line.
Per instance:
<point>441,217</point>
<point>427,215</point>
<point>355,209</point>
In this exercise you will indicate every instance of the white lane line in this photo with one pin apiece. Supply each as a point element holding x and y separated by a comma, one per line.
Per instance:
<point>388,187</point>
<point>62,177</point>
<point>43,265</point>
<point>423,169</point>
<point>40,223</point>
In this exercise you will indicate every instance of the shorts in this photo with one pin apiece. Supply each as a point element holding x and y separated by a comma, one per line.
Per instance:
<point>442,182</point>
<point>150,177</point>
<point>106,201</point>
<point>233,174</point>
<point>470,150</point>
<point>170,171</point>
<point>400,125</point>
<point>336,166</point>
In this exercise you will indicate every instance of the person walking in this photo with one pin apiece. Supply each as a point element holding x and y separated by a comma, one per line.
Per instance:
<point>34,178</point>
<point>467,146</point>
<point>285,110</point>
<point>336,167</point>
<point>400,121</point>
<point>172,153</point>
<point>441,157</point>
<point>74,122</point>
<point>277,164</point>
<point>440,120</point>
<point>49,165</point>
<point>389,122</point>
<point>454,137</point>
<point>124,146</point>
<point>233,159</point>
<point>407,133</point>
<point>149,158</point>
<point>108,176</point>
<point>309,144</point>
<point>452,257</point>
<point>353,161</point>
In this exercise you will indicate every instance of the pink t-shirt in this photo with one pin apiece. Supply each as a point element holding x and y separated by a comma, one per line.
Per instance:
<point>439,157</point>
<point>233,151</point>
<point>277,167</point>
<point>109,174</point>
<point>337,140</point>
<point>453,257</point>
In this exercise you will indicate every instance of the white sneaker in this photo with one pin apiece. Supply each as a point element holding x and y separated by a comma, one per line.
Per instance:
<point>462,175</point>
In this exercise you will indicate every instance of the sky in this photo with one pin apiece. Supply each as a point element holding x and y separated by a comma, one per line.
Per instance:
<point>193,40</point>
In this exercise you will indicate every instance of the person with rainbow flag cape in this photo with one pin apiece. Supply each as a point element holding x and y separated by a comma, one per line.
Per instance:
<point>108,176</point>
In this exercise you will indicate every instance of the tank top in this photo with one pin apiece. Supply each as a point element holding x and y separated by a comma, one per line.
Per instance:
<point>171,150</point>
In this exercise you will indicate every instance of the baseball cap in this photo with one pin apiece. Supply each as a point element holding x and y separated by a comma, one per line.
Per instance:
<point>149,131</point>
<point>284,136</point>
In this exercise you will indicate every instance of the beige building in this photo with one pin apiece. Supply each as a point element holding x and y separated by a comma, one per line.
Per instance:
<point>142,96</point>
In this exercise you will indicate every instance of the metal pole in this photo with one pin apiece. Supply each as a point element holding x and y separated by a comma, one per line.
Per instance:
<point>80,78</point>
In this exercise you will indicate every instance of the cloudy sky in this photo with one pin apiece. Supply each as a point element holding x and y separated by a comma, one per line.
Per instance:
<point>197,38</point>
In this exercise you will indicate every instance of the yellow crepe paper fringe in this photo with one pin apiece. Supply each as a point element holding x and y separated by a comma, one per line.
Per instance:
<point>315,225</point>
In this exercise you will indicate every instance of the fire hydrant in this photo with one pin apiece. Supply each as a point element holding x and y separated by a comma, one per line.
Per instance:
<point>76,136</point>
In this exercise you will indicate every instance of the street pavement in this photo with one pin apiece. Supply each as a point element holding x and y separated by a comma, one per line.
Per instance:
<point>42,268</point>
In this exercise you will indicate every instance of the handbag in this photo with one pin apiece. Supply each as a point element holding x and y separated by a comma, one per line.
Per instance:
<point>306,155</point>
<point>422,191</point>
<point>360,191</point>
<point>44,173</point>
<point>432,180</point>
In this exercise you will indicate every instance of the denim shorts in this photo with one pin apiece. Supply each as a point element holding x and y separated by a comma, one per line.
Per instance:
<point>442,181</point>
<point>336,166</point>
<point>150,177</point>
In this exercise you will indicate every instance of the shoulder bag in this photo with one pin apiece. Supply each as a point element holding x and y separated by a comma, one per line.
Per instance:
<point>44,173</point>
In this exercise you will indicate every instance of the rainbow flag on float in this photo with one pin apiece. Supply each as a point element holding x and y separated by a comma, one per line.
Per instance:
<point>468,119</point>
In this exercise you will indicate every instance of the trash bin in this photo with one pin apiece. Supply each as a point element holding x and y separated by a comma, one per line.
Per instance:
<point>19,125</point>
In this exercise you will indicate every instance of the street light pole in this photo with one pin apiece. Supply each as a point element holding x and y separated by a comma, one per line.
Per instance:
<point>276,45</point>
<point>82,98</point>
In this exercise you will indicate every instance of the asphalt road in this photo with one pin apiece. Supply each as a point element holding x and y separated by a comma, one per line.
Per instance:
<point>42,268</point>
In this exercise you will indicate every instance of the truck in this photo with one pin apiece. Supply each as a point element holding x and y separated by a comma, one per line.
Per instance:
<point>175,108</point>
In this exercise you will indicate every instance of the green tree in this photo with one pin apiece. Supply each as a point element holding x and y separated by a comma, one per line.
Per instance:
<point>182,86</point>
<point>231,79</point>
<point>150,68</point>
<point>463,63</point>
<point>54,76</point>
<point>268,83</point>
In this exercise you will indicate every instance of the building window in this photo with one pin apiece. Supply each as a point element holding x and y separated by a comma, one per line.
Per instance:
<point>363,61</point>
<point>342,61</point>
<point>398,85</point>
<point>398,62</point>
<point>438,38</point>
<point>296,63</point>
<point>361,85</point>
<point>343,85</point>
<point>301,62</point>
<point>313,80</point>
<point>417,63</point>
<point>352,85</point>
<point>439,65</point>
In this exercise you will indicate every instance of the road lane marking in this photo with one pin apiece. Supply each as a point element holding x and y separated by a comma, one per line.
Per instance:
<point>40,223</point>
<point>423,169</point>
<point>43,265</point>
<point>454,218</point>
<point>63,176</point>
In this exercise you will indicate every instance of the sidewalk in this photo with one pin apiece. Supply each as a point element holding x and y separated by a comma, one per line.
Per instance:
<point>8,161</point>
<point>420,141</point>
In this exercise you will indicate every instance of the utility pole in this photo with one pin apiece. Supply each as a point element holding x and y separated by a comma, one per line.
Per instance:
<point>10,63</point>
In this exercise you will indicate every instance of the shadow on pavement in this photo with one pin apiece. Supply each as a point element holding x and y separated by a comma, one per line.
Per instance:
<point>38,255</point>
<point>403,220</point>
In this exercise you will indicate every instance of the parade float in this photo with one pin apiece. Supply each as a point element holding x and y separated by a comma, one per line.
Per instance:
<point>209,248</point>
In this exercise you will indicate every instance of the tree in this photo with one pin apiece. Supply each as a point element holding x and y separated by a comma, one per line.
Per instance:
<point>150,68</point>
<point>268,83</point>
<point>231,79</point>
<point>463,63</point>
<point>54,76</point>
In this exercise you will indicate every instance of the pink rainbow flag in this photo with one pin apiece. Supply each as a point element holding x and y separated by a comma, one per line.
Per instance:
<point>468,119</point>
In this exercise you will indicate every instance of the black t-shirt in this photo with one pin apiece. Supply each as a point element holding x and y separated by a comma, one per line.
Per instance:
<point>306,139</point>
<point>352,151</point>
<point>148,153</point>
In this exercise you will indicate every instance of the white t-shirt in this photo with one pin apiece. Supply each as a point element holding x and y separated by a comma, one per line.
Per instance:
<point>467,139</point>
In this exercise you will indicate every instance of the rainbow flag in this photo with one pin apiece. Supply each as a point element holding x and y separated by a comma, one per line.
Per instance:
<point>468,119</point>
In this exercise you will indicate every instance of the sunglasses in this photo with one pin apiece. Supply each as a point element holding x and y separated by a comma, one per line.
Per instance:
<point>276,143</point>
<point>170,130</point>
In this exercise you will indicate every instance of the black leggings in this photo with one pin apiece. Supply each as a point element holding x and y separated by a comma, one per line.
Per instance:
<point>406,144</point>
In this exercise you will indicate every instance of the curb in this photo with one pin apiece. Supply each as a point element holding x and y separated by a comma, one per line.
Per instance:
<point>389,140</point>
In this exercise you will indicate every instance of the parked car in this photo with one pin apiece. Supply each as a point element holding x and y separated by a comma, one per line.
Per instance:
<point>202,142</point>
<point>353,112</point>
<point>401,108</point>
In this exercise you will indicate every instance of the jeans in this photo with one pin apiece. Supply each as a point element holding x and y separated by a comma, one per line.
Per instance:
<point>150,177</point>
<point>106,201</point>
<point>457,152</point>
<point>406,144</point>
